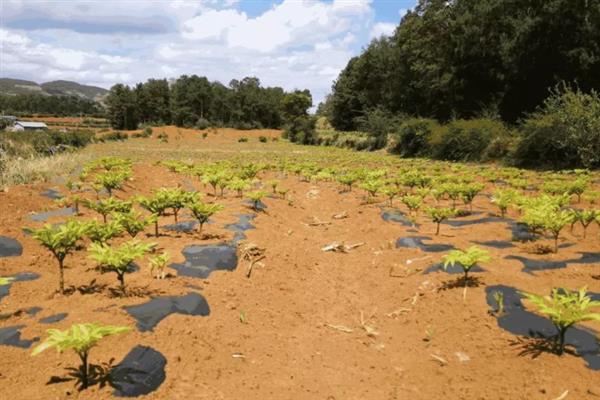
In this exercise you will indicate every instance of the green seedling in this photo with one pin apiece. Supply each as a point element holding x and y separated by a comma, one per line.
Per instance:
<point>118,259</point>
<point>101,233</point>
<point>412,202</point>
<point>157,205</point>
<point>112,180</point>
<point>466,259</point>
<point>255,197</point>
<point>159,263</point>
<point>134,222</point>
<point>499,299</point>
<point>80,338</point>
<point>565,309</point>
<point>203,211</point>
<point>108,206</point>
<point>439,215</point>
<point>61,240</point>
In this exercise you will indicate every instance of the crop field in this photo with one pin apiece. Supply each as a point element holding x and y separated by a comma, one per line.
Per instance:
<point>230,264</point>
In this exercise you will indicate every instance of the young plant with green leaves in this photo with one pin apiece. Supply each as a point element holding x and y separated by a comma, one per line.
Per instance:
<point>255,197</point>
<point>273,183</point>
<point>112,180</point>
<point>547,218</point>
<point>134,222</point>
<point>175,198</point>
<point>565,308</point>
<point>80,338</point>
<point>503,199</point>
<point>156,205</point>
<point>468,192</point>
<point>61,240</point>
<point>107,206</point>
<point>372,187</point>
<point>390,192</point>
<point>348,179</point>
<point>73,201</point>
<point>439,215</point>
<point>412,202</point>
<point>158,264</point>
<point>466,259</point>
<point>118,259</point>
<point>585,218</point>
<point>102,232</point>
<point>203,211</point>
<point>6,280</point>
<point>239,185</point>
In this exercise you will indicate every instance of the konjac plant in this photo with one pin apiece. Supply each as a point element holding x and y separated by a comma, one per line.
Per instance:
<point>102,232</point>
<point>439,215</point>
<point>157,205</point>
<point>255,197</point>
<point>107,206</point>
<point>112,180</point>
<point>61,240</point>
<point>203,211</point>
<point>504,199</point>
<point>412,202</point>
<point>134,222</point>
<point>466,259</point>
<point>118,259</point>
<point>159,263</point>
<point>80,338</point>
<point>565,308</point>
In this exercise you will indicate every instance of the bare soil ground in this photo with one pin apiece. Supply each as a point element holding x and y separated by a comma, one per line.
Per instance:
<point>316,325</point>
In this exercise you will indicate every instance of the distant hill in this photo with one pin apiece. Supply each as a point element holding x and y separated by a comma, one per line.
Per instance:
<point>54,88</point>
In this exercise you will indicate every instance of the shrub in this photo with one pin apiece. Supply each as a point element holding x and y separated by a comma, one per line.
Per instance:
<point>563,133</point>
<point>301,130</point>
<point>113,136</point>
<point>263,139</point>
<point>471,140</point>
<point>438,215</point>
<point>243,139</point>
<point>202,123</point>
<point>80,338</point>
<point>411,138</point>
<point>133,222</point>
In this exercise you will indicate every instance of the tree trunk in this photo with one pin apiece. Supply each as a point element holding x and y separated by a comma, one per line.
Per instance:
<point>561,341</point>
<point>437,230</point>
<point>156,227</point>
<point>122,281</point>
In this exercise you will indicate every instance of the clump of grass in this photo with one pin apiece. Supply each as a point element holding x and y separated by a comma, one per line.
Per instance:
<point>19,171</point>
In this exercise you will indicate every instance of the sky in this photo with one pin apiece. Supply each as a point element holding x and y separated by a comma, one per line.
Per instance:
<point>295,44</point>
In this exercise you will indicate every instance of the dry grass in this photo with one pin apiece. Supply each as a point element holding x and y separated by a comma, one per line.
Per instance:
<point>17,170</point>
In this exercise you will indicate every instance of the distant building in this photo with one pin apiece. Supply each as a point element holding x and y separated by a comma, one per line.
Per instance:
<point>29,126</point>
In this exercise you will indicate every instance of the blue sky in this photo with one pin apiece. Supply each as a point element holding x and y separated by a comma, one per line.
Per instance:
<point>288,43</point>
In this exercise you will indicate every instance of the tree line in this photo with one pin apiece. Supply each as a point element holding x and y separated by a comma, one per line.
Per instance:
<point>471,58</point>
<point>22,104</point>
<point>194,101</point>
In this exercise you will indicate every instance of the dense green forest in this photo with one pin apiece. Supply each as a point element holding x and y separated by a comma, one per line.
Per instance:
<point>194,101</point>
<point>471,58</point>
<point>477,80</point>
<point>23,104</point>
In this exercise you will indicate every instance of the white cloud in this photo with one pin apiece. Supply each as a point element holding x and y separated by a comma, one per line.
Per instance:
<point>294,44</point>
<point>382,29</point>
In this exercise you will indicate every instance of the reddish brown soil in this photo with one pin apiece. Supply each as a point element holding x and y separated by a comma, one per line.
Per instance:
<point>298,307</point>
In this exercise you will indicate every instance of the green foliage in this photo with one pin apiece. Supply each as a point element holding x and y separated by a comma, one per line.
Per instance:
<point>159,263</point>
<point>103,232</point>
<point>413,203</point>
<point>243,139</point>
<point>411,137</point>
<point>239,185</point>
<point>438,215</point>
<point>5,280</point>
<point>255,197</point>
<point>504,198</point>
<point>565,308</point>
<point>107,206</point>
<point>466,259</point>
<point>175,198</point>
<point>372,187</point>
<point>203,211</point>
<point>134,222</point>
<point>112,180</point>
<point>61,240</point>
<point>80,338</point>
<point>263,139</point>
<point>119,258</point>
<point>157,205</point>
<point>547,217</point>
<point>564,133</point>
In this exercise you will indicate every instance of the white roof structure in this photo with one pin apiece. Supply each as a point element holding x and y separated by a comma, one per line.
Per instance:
<point>31,125</point>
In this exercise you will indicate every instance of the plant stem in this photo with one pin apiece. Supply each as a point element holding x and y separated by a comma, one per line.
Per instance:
<point>437,230</point>
<point>156,227</point>
<point>61,276</point>
<point>121,276</point>
<point>84,369</point>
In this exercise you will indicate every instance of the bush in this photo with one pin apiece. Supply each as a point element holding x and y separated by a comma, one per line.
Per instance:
<point>411,139</point>
<point>243,140</point>
<point>470,140</point>
<point>301,130</point>
<point>25,144</point>
<point>262,139</point>
<point>114,135</point>
<point>202,124</point>
<point>564,133</point>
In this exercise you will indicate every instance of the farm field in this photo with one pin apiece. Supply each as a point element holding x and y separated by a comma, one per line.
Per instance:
<point>323,288</point>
